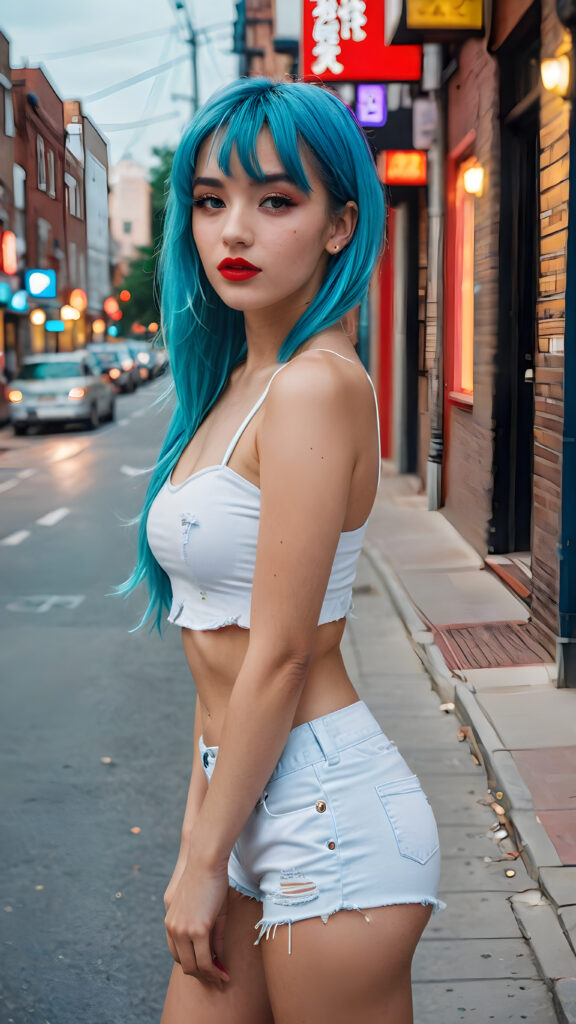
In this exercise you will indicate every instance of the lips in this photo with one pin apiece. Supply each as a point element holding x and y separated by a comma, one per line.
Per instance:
<point>238,270</point>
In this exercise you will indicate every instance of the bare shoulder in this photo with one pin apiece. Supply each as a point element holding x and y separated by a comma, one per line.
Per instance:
<point>332,379</point>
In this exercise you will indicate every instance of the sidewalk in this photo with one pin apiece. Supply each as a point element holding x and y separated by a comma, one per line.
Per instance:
<point>519,732</point>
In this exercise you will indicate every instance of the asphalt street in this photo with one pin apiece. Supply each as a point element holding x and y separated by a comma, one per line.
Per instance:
<point>96,729</point>
<point>82,915</point>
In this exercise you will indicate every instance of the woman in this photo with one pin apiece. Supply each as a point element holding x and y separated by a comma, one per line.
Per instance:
<point>300,809</point>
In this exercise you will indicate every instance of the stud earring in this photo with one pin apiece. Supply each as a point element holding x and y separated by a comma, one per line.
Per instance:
<point>336,247</point>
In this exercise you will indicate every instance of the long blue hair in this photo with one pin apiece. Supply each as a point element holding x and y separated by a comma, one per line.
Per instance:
<point>205,339</point>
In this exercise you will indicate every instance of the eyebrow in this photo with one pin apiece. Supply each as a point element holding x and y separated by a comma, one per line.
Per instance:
<point>266,180</point>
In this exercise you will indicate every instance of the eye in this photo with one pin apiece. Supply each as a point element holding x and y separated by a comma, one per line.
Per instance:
<point>277,202</point>
<point>208,202</point>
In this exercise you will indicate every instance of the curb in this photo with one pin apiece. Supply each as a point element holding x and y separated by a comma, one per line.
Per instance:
<point>537,914</point>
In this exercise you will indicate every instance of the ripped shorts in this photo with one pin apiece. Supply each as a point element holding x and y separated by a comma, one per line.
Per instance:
<point>342,823</point>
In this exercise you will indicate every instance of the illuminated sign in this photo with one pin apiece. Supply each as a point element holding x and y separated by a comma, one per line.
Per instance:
<point>344,40</point>
<point>19,302</point>
<point>433,21</point>
<point>402,167</point>
<point>41,283</point>
<point>8,255</point>
<point>450,14</point>
<point>371,105</point>
<point>54,325</point>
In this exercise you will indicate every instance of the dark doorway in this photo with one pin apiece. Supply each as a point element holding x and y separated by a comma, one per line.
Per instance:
<point>519,233</point>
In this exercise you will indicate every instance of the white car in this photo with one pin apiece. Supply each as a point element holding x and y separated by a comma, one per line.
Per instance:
<point>60,387</point>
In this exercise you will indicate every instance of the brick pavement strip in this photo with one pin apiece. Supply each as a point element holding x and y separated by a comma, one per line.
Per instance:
<point>455,970</point>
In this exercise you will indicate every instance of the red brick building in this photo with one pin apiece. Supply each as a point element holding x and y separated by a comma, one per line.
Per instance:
<point>504,278</point>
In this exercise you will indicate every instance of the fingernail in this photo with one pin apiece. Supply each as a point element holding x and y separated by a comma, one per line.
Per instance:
<point>220,965</point>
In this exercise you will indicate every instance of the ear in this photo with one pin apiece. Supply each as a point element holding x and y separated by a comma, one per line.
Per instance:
<point>344,225</point>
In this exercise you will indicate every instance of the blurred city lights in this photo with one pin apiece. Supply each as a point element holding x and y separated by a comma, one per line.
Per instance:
<point>99,326</point>
<point>69,313</point>
<point>78,299</point>
<point>111,305</point>
<point>37,317</point>
<point>54,326</point>
<point>114,332</point>
<point>117,315</point>
<point>125,295</point>
<point>8,255</point>
<point>153,326</point>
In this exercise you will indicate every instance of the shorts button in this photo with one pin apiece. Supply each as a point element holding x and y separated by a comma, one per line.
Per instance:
<point>320,806</point>
<point>331,845</point>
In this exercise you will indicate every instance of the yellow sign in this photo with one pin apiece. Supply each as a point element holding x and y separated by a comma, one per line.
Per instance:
<point>444,14</point>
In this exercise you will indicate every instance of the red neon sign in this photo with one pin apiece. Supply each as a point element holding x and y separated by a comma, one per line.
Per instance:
<point>402,166</point>
<point>8,254</point>
<point>343,40</point>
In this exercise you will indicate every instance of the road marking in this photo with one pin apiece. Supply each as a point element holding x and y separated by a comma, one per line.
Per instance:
<point>51,518</point>
<point>132,471</point>
<point>45,602</point>
<point>7,485</point>
<point>139,412</point>
<point>122,423</point>
<point>25,473</point>
<point>15,538</point>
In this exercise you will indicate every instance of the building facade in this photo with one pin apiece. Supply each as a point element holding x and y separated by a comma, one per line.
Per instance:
<point>130,214</point>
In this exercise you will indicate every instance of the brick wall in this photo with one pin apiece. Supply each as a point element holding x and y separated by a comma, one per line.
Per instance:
<point>549,369</point>
<point>473,105</point>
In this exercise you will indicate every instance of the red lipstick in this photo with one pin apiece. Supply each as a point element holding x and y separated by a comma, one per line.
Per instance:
<point>238,269</point>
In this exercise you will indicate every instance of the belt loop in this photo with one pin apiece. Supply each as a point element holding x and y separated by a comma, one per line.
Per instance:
<point>327,745</point>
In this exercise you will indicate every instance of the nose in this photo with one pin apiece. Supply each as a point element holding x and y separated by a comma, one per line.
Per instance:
<point>237,228</point>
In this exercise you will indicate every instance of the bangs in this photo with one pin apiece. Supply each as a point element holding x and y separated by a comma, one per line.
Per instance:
<point>242,128</point>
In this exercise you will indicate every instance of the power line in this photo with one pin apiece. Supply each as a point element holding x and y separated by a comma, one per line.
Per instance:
<point>151,73</point>
<point>108,45</point>
<point>138,124</point>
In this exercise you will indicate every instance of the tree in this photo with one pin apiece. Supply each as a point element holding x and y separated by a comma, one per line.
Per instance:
<point>139,281</point>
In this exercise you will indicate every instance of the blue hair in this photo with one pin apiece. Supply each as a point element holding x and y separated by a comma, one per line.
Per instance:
<point>205,339</point>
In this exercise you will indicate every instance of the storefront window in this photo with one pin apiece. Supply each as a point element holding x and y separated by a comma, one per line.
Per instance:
<point>463,287</point>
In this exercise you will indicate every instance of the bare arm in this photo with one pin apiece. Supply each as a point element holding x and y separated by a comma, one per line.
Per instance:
<point>198,781</point>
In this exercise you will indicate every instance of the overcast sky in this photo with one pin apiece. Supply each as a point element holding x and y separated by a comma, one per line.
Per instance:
<point>42,31</point>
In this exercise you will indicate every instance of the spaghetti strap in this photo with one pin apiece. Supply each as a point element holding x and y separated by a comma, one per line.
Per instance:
<point>257,405</point>
<point>375,400</point>
<point>246,421</point>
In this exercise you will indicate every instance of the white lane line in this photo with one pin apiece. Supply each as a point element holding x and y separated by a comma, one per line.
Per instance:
<point>7,485</point>
<point>122,423</point>
<point>25,473</point>
<point>15,538</point>
<point>132,471</point>
<point>51,518</point>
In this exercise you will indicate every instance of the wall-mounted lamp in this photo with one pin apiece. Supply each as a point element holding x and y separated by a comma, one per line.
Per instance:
<point>555,74</point>
<point>474,180</point>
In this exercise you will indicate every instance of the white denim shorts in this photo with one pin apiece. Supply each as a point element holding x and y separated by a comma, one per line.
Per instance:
<point>342,824</point>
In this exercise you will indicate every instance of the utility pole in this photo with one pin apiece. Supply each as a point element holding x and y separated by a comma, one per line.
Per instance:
<point>192,40</point>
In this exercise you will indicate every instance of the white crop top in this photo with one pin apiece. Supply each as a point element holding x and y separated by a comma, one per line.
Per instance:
<point>203,532</point>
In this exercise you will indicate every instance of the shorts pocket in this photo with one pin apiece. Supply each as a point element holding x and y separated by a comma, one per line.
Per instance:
<point>291,794</point>
<point>411,816</point>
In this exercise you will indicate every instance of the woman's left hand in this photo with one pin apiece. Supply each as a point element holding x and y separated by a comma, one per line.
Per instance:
<point>194,921</point>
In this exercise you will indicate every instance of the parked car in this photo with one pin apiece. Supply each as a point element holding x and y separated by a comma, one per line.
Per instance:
<point>60,387</point>
<point>117,362</point>
<point>151,361</point>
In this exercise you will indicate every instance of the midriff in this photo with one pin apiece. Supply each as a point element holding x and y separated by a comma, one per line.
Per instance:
<point>215,658</point>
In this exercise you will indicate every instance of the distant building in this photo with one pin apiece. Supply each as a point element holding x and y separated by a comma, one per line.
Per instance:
<point>90,149</point>
<point>130,214</point>
<point>8,321</point>
<point>266,37</point>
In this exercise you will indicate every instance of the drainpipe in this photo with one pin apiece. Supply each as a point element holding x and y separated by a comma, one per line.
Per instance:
<point>566,645</point>
<point>432,83</point>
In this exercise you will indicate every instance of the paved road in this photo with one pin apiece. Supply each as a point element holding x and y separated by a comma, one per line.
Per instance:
<point>82,933</point>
